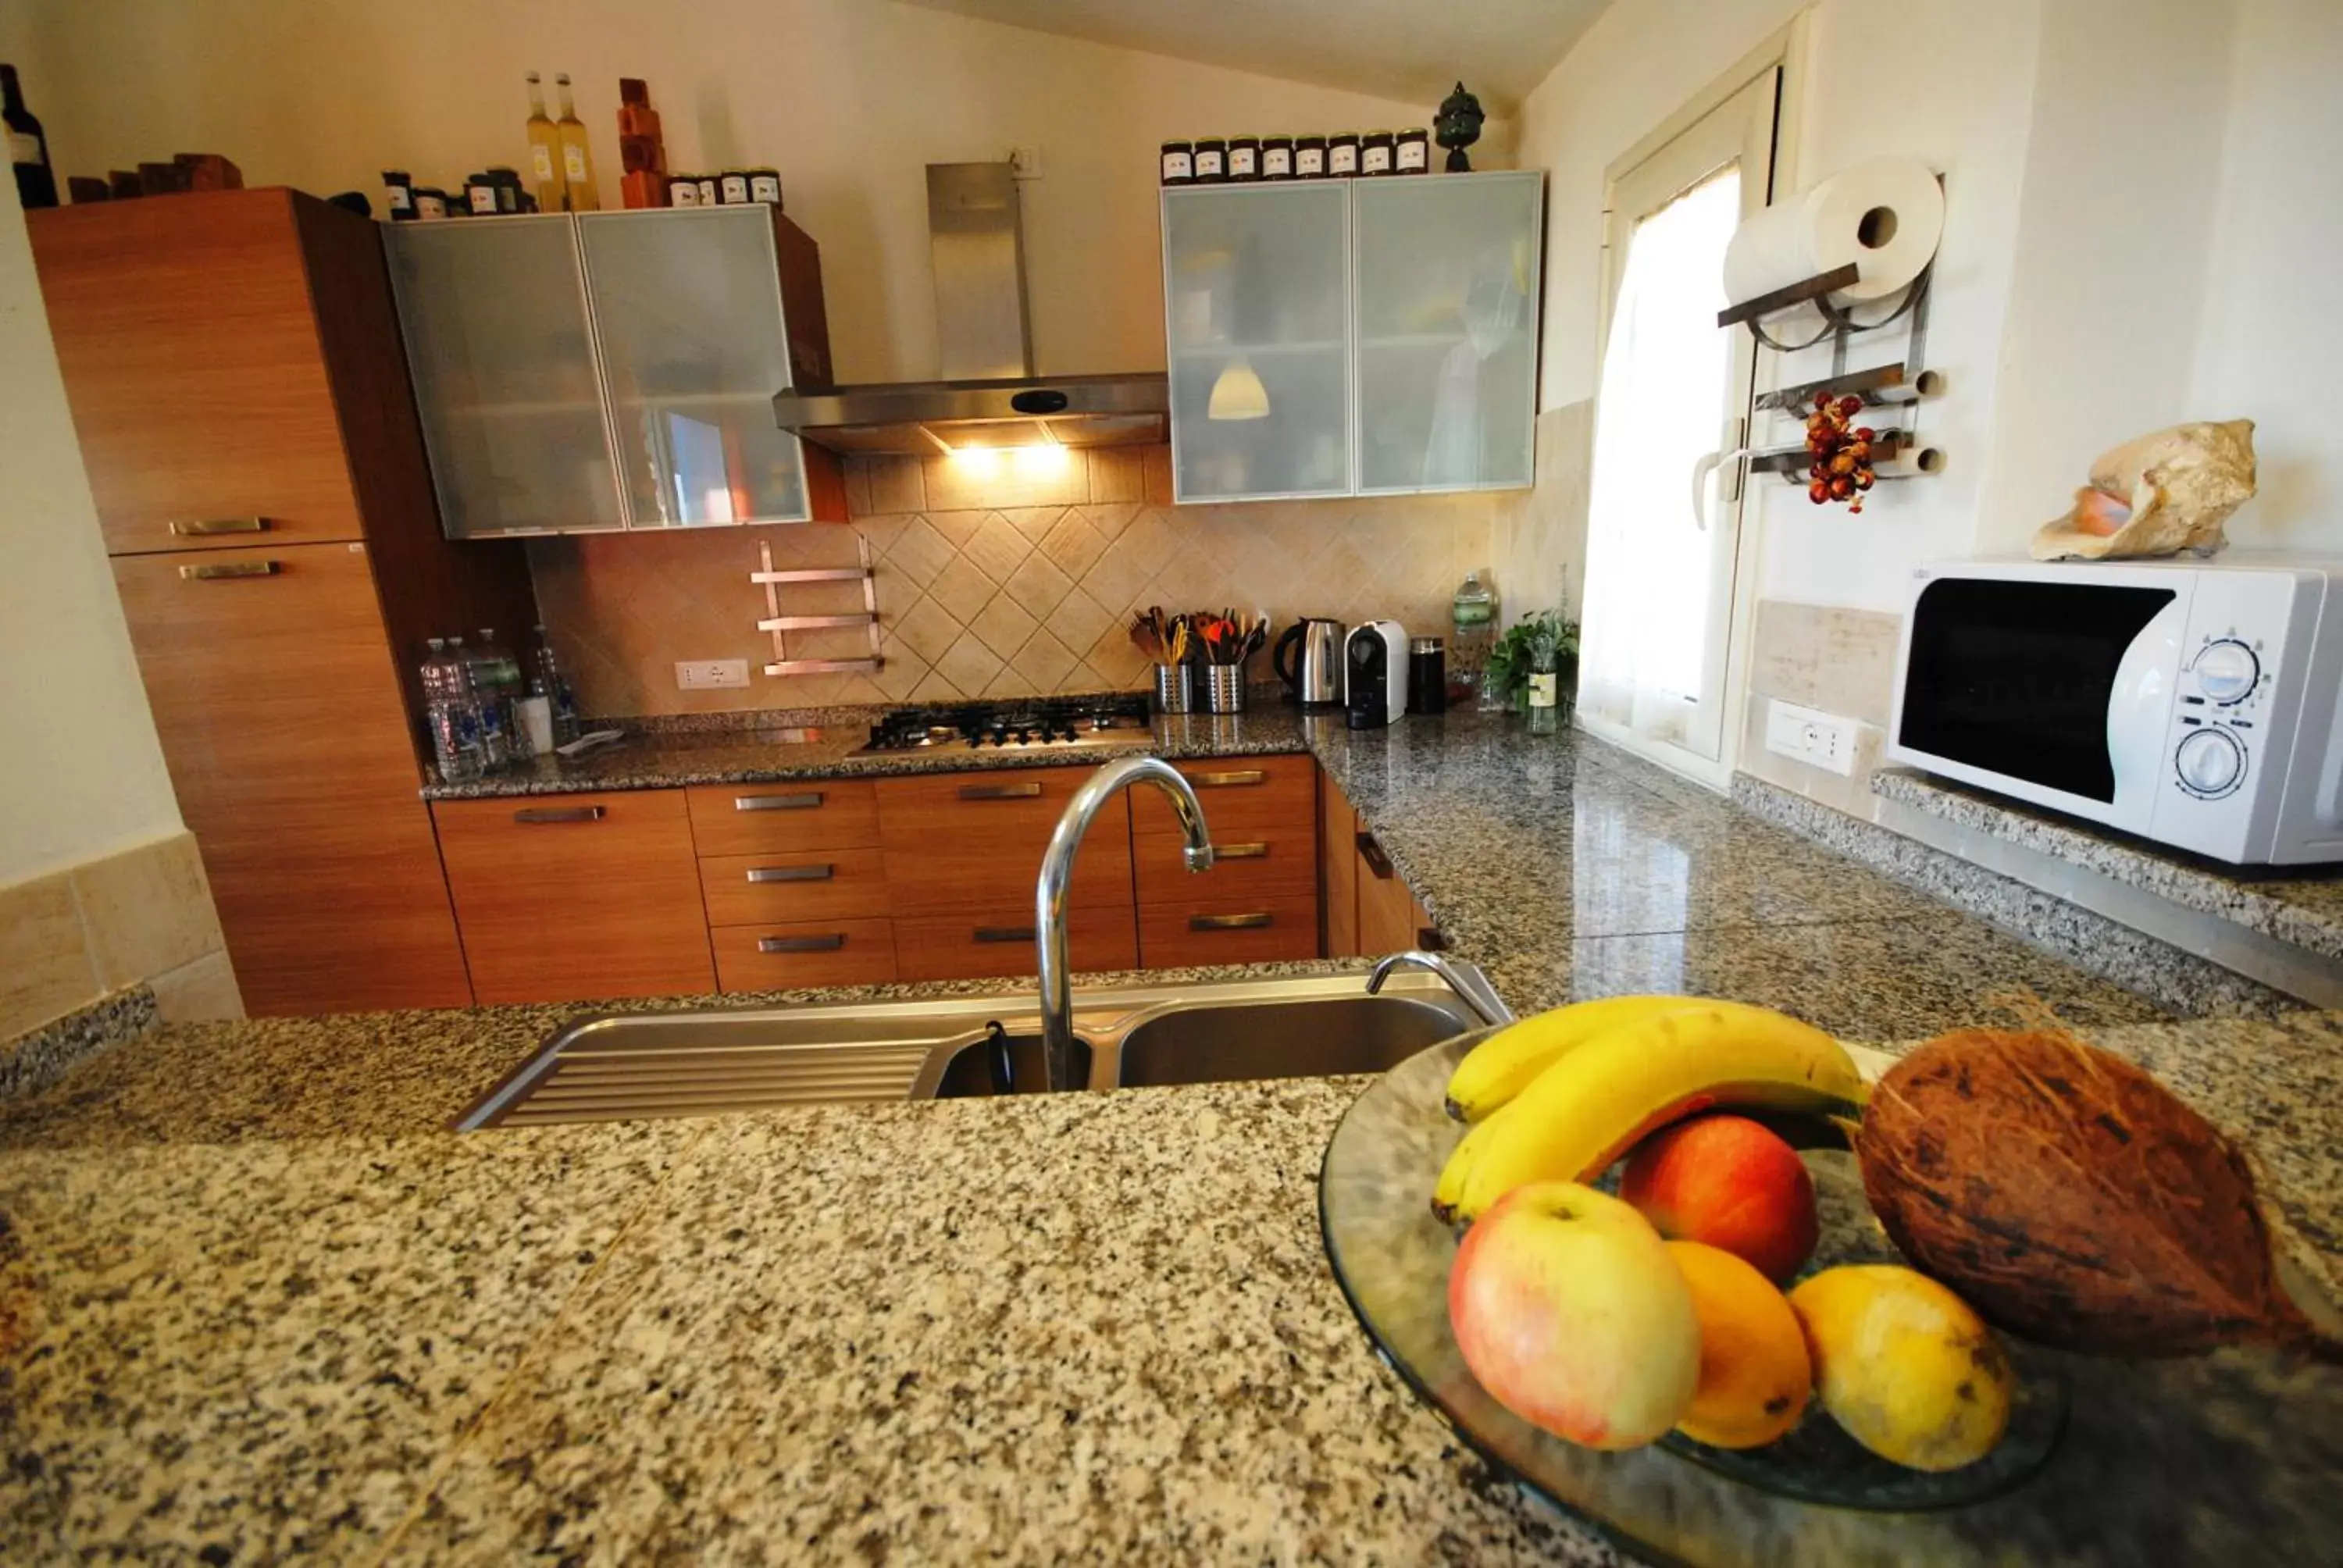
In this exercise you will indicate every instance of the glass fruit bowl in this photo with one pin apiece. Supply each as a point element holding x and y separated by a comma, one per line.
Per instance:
<point>2232,1455</point>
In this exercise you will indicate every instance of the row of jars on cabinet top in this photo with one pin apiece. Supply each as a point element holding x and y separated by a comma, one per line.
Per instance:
<point>1215,160</point>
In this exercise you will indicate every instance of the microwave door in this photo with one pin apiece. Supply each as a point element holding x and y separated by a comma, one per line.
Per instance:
<point>2041,690</point>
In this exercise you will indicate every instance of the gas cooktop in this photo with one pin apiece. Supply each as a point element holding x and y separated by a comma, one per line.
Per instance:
<point>1021,724</point>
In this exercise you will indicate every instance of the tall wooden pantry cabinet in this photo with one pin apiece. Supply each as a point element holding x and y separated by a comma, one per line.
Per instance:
<point>233,364</point>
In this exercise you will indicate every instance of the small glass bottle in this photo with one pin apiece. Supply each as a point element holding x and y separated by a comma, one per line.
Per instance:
<point>582,195</point>
<point>400,195</point>
<point>544,151</point>
<point>1473,623</point>
<point>1176,164</point>
<point>1310,158</point>
<point>1545,695</point>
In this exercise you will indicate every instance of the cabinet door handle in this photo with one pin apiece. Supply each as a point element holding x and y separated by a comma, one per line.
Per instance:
<point>540,815</point>
<point>829,943</point>
<point>1372,854</point>
<point>791,873</point>
<point>1003,933</point>
<point>1030,790</point>
<point>1240,851</point>
<point>1237,779</point>
<point>212,570</point>
<point>804,801</point>
<point>195,527</point>
<point>1251,922</point>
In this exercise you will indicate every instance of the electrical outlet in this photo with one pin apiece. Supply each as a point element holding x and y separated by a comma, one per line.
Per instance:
<point>1025,163</point>
<point>700,674</point>
<point>1821,739</point>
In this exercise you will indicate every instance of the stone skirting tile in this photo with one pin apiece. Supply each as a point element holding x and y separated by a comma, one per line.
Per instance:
<point>32,1061</point>
<point>71,937</point>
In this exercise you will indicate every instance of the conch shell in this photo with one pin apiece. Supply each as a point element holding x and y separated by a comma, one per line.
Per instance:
<point>2157,496</point>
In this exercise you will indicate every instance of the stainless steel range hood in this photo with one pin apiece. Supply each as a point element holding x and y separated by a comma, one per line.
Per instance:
<point>989,394</point>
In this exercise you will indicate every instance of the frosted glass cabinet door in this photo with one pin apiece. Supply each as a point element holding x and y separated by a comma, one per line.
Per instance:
<point>1257,300</point>
<point>688,305</point>
<point>494,313</point>
<point>1447,282</point>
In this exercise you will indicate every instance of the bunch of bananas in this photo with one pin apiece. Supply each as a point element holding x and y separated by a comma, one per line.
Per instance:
<point>1560,1096</point>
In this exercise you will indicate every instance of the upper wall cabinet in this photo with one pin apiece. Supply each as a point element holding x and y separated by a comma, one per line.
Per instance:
<point>613,370</point>
<point>1337,338</point>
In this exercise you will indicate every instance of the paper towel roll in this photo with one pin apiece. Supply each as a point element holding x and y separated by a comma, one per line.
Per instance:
<point>1884,215</point>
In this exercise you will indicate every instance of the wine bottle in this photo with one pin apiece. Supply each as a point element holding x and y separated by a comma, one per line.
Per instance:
<point>544,151</point>
<point>28,149</point>
<point>576,157</point>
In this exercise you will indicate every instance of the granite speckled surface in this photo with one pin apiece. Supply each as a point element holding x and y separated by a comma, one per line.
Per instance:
<point>2181,980</point>
<point>32,1061</point>
<point>2303,906</point>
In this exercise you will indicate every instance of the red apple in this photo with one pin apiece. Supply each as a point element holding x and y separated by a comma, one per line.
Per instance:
<point>1729,1183</point>
<point>1572,1314</point>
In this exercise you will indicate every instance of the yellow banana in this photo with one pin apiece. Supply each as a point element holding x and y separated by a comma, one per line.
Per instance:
<point>1450,1190</point>
<point>1503,1065</point>
<point>1592,1106</point>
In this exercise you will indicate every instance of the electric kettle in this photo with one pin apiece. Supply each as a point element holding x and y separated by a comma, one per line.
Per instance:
<point>1309,660</point>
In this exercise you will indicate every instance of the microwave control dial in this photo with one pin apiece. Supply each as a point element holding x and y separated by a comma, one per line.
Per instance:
<point>2211,762</point>
<point>2226,671</point>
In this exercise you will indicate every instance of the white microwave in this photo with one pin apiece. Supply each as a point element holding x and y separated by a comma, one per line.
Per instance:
<point>2196,703</point>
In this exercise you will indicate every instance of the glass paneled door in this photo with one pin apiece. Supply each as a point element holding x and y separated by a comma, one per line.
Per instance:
<point>1663,555</point>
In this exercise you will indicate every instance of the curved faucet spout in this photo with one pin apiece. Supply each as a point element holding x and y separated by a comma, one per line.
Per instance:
<point>1058,871</point>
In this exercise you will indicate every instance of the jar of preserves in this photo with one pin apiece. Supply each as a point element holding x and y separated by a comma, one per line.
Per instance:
<point>765,186</point>
<point>732,187</point>
<point>1212,160</point>
<point>1310,158</point>
<point>1413,153</point>
<point>1244,157</point>
<point>1375,150</point>
<point>1343,154</point>
<point>1177,164</point>
<point>1277,157</point>
<point>683,190</point>
<point>708,191</point>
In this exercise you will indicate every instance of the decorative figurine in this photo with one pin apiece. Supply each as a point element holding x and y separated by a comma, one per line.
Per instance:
<point>1459,127</point>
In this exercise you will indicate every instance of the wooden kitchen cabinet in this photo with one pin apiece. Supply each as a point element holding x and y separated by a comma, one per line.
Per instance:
<point>1259,903</point>
<point>1338,864</point>
<point>1368,909</point>
<point>783,955</point>
<point>566,897</point>
<point>967,840</point>
<point>1390,919</point>
<point>783,819</point>
<point>233,364</point>
<point>998,940</point>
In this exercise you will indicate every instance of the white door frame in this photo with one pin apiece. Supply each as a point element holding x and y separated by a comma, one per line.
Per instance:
<point>1786,51</point>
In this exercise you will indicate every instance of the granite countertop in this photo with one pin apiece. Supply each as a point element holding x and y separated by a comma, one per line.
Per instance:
<point>254,1301</point>
<point>2301,906</point>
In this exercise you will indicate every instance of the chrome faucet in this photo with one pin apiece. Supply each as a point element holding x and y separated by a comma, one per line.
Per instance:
<point>1058,871</point>
<point>1470,989</point>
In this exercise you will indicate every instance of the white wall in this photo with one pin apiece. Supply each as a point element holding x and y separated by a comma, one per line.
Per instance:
<point>850,99</point>
<point>81,774</point>
<point>2271,340</point>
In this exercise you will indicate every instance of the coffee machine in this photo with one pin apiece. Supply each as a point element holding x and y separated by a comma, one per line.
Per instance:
<point>1374,678</point>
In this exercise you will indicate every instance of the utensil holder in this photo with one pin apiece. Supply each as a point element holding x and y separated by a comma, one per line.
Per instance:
<point>1175,691</point>
<point>1224,687</point>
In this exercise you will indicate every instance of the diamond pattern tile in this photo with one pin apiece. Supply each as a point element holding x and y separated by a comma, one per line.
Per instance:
<point>1038,587</point>
<point>963,589</point>
<point>1000,547</point>
<point>1003,625</point>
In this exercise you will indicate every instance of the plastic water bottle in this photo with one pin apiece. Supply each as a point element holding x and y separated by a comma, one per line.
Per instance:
<point>557,691</point>
<point>479,702</point>
<point>454,733</point>
<point>501,689</point>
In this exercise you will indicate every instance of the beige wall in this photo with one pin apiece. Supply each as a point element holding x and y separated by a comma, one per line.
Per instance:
<point>849,99</point>
<point>99,887</point>
<point>993,586</point>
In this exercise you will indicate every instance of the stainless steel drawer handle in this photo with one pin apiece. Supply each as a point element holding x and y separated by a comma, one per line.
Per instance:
<point>791,873</point>
<point>212,570</point>
<point>1241,776</point>
<point>823,944</point>
<point>806,801</point>
<point>1240,851</point>
<point>1003,933</point>
<point>1251,922</point>
<point>197,527</point>
<point>1372,854</point>
<point>1031,791</point>
<point>539,815</point>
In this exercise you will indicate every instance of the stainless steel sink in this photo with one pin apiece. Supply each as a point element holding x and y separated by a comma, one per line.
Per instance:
<point>628,1066</point>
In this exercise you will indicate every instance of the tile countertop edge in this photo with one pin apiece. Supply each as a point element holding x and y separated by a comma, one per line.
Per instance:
<point>2304,912</point>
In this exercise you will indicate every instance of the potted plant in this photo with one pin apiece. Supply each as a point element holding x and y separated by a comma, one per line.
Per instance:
<point>1540,643</point>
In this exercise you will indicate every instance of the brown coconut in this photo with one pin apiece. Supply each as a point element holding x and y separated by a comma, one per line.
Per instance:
<point>2071,1199</point>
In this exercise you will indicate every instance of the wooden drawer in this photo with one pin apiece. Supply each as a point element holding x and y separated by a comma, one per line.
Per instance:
<point>974,840</point>
<point>1234,931</point>
<point>999,940</point>
<point>1390,919</point>
<point>570,897</point>
<point>782,956</point>
<point>781,819</point>
<point>1243,798</point>
<point>1278,863</point>
<point>811,885</point>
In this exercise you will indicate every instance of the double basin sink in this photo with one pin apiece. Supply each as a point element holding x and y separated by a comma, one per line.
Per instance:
<point>628,1066</point>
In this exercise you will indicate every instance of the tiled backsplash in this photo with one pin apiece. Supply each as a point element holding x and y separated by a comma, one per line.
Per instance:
<point>1011,581</point>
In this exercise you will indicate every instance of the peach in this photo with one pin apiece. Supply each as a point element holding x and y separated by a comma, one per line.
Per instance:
<point>1755,1373</point>
<point>1732,1183</point>
<point>1572,1315</point>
